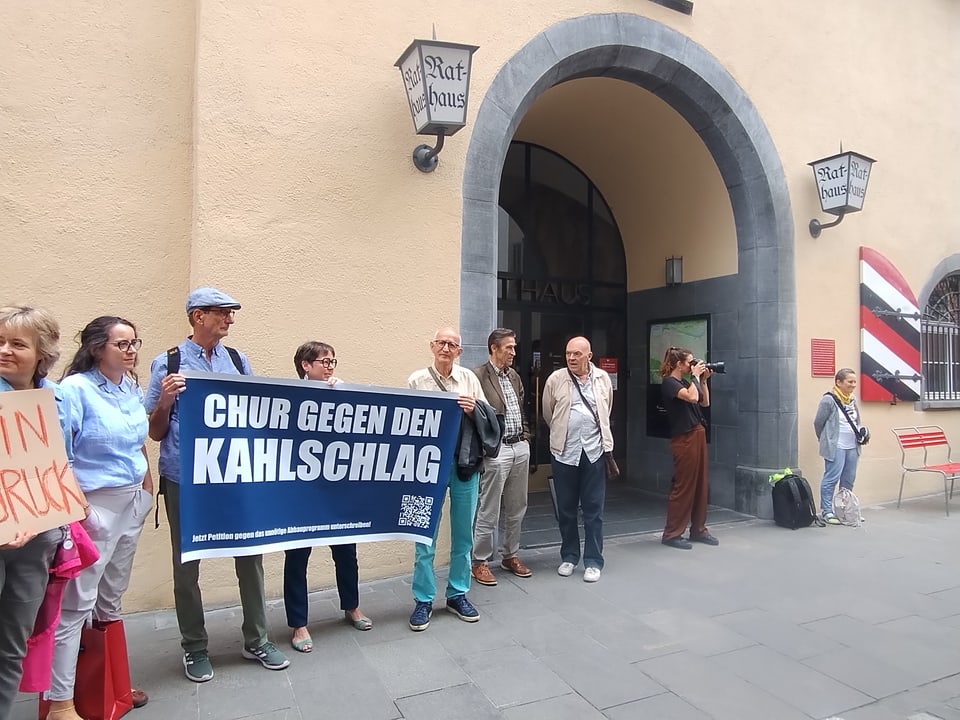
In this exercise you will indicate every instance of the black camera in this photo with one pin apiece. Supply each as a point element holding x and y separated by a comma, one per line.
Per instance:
<point>714,367</point>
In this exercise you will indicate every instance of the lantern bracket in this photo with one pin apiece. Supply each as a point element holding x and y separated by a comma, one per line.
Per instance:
<point>425,157</point>
<point>816,226</point>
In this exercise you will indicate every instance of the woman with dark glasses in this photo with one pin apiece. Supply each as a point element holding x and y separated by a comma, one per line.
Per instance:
<point>317,361</point>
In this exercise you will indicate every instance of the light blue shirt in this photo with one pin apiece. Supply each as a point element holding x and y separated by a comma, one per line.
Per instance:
<point>583,433</point>
<point>192,357</point>
<point>109,429</point>
<point>64,410</point>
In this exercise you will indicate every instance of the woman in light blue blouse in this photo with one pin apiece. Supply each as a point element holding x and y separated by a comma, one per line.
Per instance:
<point>29,347</point>
<point>109,429</point>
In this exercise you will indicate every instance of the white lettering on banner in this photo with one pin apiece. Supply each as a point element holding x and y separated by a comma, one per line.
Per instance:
<point>347,418</point>
<point>243,411</point>
<point>418,422</point>
<point>272,460</point>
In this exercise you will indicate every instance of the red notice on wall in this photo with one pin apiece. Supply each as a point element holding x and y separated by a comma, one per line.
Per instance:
<point>607,364</point>
<point>823,357</point>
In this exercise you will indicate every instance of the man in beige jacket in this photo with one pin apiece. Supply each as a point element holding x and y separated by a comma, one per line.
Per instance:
<point>576,407</point>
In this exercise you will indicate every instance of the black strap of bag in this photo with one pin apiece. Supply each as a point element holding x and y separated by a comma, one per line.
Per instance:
<point>173,366</point>
<point>437,379</point>
<point>610,465</point>
<point>576,384</point>
<point>853,425</point>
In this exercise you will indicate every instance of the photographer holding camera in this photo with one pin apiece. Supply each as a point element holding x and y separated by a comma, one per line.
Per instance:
<point>682,399</point>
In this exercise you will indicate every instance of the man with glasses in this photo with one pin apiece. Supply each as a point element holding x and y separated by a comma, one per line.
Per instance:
<point>210,313</point>
<point>505,478</point>
<point>445,375</point>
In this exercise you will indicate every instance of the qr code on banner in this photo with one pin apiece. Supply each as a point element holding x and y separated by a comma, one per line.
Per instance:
<point>415,511</point>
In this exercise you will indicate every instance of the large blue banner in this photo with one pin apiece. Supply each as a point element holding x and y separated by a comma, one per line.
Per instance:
<point>269,464</point>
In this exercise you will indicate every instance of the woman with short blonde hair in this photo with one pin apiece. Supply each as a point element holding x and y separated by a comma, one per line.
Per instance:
<point>29,348</point>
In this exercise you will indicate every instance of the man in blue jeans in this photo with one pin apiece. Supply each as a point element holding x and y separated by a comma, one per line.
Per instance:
<point>445,375</point>
<point>577,401</point>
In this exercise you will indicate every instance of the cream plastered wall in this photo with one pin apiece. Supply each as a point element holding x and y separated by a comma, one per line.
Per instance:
<point>265,147</point>
<point>96,153</point>
<point>661,183</point>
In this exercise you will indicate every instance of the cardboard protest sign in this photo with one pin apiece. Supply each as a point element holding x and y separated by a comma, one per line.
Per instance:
<point>38,490</point>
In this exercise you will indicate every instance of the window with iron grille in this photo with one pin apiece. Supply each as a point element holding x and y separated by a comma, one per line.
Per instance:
<point>940,341</point>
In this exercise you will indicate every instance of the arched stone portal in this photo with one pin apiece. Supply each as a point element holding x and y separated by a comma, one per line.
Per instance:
<point>754,312</point>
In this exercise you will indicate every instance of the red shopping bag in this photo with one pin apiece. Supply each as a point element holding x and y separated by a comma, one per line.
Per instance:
<point>102,690</point>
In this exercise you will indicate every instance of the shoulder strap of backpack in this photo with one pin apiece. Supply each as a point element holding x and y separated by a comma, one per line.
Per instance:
<point>235,357</point>
<point>812,508</point>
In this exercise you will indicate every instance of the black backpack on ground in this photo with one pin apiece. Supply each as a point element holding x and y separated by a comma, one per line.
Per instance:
<point>793,503</point>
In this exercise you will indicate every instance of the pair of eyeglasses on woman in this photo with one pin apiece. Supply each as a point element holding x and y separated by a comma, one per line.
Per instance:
<point>124,345</point>
<point>326,362</point>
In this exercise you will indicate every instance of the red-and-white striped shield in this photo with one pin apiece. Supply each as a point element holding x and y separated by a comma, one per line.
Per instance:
<point>889,332</point>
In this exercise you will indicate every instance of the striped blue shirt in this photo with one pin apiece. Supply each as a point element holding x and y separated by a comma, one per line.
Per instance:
<point>64,410</point>
<point>192,357</point>
<point>109,429</point>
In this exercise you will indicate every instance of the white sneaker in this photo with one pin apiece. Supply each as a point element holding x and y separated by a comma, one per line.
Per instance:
<point>591,574</point>
<point>565,569</point>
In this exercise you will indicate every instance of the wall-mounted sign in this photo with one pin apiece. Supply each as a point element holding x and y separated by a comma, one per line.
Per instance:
<point>842,182</point>
<point>436,77</point>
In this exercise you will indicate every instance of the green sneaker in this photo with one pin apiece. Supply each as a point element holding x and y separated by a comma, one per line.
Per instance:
<point>197,666</point>
<point>831,519</point>
<point>268,655</point>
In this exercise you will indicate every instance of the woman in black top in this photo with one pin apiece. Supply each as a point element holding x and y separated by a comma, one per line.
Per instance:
<point>682,400</point>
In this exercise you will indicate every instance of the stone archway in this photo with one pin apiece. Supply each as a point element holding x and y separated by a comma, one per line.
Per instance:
<point>693,82</point>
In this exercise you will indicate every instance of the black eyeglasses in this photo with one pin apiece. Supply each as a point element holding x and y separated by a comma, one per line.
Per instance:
<point>447,343</point>
<point>124,345</point>
<point>222,311</point>
<point>326,362</point>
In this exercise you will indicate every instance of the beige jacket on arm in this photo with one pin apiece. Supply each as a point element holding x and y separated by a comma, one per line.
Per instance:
<point>556,406</point>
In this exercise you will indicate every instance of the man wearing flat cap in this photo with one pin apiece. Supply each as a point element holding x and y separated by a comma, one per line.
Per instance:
<point>210,312</point>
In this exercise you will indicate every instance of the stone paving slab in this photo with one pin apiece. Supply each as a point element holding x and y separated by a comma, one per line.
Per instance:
<point>837,622</point>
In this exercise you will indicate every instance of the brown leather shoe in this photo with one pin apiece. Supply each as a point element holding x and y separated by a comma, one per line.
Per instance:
<point>481,573</point>
<point>139,698</point>
<point>516,567</point>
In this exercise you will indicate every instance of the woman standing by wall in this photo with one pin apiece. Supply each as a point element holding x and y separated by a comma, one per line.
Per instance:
<point>109,430</point>
<point>29,347</point>
<point>837,413</point>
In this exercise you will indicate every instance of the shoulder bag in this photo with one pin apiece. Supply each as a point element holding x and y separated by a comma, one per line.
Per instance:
<point>861,433</point>
<point>610,465</point>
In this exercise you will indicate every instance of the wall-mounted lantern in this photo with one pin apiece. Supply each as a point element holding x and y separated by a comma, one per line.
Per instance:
<point>841,185</point>
<point>673,272</point>
<point>436,77</point>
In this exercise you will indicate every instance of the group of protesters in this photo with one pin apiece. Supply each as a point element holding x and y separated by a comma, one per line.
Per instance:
<point>106,419</point>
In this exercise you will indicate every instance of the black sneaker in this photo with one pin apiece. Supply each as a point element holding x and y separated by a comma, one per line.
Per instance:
<point>706,539</point>
<point>678,542</point>
<point>463,608</point>
<point>420,618</point>
<point>197,666</point>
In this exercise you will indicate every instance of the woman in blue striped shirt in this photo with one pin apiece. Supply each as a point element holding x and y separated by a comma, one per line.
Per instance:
<point>110,463</point>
